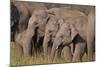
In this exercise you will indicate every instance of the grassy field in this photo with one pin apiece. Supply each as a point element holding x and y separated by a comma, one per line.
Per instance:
<point>37,58</point>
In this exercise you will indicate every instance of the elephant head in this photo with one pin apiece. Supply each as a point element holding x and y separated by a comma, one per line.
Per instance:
<point>38,18</point>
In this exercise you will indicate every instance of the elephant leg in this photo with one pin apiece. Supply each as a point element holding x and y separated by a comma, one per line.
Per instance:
<point>49,51</point>
<point>72,46</point>
<point>90,50</point>
<point>40,44</point>
<point>67,53</point>
<point>19,49</point>
<point>79,51</point>
<point>19,44</point>
<point>27,48</point>
<point>33,47</point>
<point>91,33</point>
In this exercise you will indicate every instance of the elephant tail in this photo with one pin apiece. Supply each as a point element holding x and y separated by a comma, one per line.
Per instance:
<point>91,33</point>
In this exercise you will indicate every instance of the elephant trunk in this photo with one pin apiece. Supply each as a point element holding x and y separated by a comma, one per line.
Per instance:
<point>56,43</point>
<point>45,45</point>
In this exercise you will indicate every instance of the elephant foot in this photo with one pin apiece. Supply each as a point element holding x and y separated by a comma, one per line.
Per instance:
<point>27,53</point>
<point>90,55</point>
<point>19,50</point>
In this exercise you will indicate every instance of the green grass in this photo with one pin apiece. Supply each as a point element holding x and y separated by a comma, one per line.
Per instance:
<point>37,58</point>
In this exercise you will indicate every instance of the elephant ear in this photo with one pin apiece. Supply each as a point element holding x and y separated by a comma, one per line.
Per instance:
<point>74,32</point>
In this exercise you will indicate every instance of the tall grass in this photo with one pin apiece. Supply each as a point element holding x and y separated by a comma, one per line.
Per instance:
<point>37,58</point>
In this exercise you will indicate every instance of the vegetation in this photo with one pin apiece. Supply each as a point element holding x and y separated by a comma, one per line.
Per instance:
<point>37,58</point>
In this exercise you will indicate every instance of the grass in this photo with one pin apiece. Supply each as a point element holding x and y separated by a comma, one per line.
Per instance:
<point>37,58</point>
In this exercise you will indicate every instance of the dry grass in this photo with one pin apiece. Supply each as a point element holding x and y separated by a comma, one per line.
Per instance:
<point>37,58</point>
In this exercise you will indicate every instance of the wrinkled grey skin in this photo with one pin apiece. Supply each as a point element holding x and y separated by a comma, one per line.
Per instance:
<point>73,30</point>
<point>50,32</point>
<point>62,12</point>
<point>38,19</point>
<point>68,13</point>
<point>65,13</point>
<point>62,36</point>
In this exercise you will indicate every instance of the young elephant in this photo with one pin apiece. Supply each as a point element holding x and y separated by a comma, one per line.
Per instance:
<point>50,32</point>
<point>72,31</point>
<point>62,37</point>
<point>60,13</point>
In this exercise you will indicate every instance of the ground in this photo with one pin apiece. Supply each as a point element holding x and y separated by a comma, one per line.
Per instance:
<point>37,58</point>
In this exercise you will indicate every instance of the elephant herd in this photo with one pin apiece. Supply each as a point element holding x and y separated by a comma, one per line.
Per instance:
<point>53,30</point>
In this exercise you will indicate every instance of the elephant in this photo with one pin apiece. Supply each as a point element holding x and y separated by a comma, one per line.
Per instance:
<point>65,12</point>
<point>24,16</point>
<point>37,20</point>
<point>67,52</point>
<point>50,32</point>
<point>90,41</point>
<point>62,13</point>
<point>91,33</point>
<point>25,10</point>
<point>59,39</point>
<point>72,31</point>
<point>14,21</point>
<point>39,29</point>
